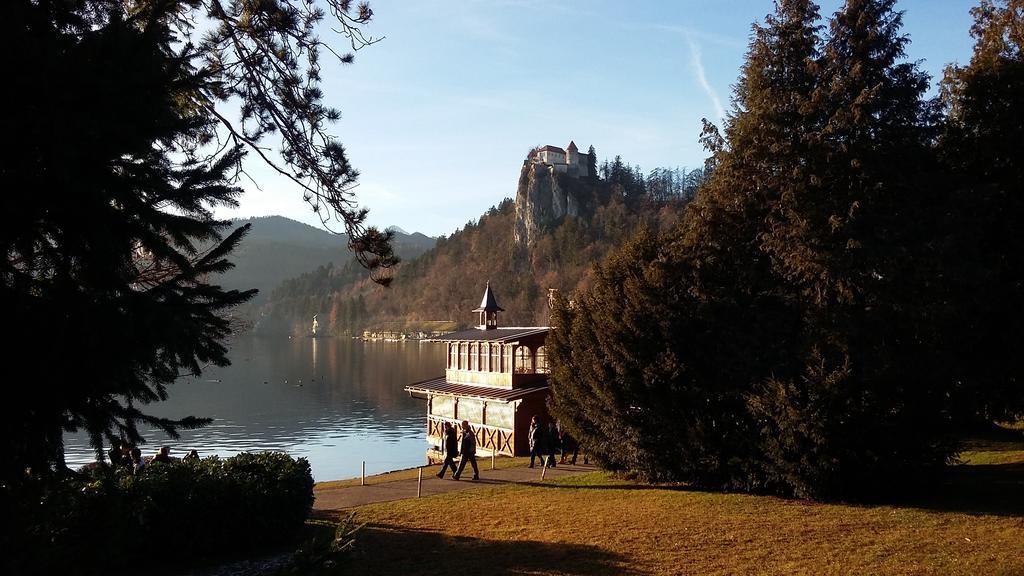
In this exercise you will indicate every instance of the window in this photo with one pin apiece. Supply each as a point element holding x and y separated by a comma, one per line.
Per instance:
<point>501,415</point>
<point>463,356</point>
<point>443,406</point>
<point>524,361</point>
<point>474,356</point>
<point>453,356</point>
<point>485,356</point>
<point>472,410</point>
<point>542,361</point>
<point>496,358</point>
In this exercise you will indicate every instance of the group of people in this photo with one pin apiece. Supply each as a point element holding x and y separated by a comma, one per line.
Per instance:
<point>128,455</point>
<point>545,441</point>
<point>550,440</point>
<point>453,448</point>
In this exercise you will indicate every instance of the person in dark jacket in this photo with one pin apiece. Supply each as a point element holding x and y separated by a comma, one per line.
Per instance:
<point>569,446</point>
<point>451,448</point>
<point>536,441</point>
<point>468,451</point>
<point>164,455</point>
<point>551,443</point>
<point>120,455</point>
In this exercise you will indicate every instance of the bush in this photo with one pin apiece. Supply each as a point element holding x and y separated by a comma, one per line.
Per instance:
<point>109,520</point>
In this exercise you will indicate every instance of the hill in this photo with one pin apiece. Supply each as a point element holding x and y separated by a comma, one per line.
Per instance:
<point>278,248</point>
<point>546,238</point>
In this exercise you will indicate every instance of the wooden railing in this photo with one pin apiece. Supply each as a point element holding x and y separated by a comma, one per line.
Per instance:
<point>490,438</point>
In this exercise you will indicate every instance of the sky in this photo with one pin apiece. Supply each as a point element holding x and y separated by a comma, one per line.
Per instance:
<point>439,115</point>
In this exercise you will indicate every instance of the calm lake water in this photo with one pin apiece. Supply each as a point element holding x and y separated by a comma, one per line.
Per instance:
<point>336,402</point>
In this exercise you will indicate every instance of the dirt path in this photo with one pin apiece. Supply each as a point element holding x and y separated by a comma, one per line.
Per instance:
<point>352,496</point>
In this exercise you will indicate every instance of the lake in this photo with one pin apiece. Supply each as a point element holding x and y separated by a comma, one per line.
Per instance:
<point>335,401</point>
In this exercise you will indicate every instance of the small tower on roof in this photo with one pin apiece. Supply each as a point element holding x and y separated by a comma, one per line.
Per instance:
<point>488,310</point>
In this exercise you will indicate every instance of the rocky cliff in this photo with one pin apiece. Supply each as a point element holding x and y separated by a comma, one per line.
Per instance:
<point>543,198</point>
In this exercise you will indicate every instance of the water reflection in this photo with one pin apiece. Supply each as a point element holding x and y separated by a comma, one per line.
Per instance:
<point>336,402</point>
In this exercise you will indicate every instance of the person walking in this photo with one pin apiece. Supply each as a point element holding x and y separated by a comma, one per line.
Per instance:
<point>569,445</point>
<point>450,445</point>
<point>468,451</point>
<point>551,443</point>
<point>536,437</point>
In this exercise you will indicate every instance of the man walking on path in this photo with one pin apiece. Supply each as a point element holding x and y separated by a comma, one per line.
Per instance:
<point>536,441</point>
<point>551,443</point>
<point>468,451</point>
<point>451,449</point>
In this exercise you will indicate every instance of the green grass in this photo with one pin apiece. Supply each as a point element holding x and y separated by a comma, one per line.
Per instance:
<point>1002,443</point>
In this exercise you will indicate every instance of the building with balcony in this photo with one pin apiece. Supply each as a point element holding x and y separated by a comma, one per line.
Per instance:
<point>496,378</point>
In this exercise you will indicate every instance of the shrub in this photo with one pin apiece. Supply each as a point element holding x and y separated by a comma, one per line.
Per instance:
<point>109,520</point>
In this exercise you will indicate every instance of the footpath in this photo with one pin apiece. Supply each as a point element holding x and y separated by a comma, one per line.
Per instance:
<point>340,498</point>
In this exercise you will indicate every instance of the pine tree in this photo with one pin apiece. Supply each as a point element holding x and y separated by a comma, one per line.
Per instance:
<point>110,246</point>
<point>760,156</point>
<point>640,373</point>
<point>653,366</point>
<point>849,253</point>
<point>984,247</point>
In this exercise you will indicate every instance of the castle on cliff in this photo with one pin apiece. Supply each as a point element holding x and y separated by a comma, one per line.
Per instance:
<point>569,161</point>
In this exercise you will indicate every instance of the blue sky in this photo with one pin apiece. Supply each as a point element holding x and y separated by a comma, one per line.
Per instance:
<point>439,115</point>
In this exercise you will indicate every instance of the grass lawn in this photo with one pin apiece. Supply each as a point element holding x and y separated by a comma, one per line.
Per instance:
<point>970,522</point>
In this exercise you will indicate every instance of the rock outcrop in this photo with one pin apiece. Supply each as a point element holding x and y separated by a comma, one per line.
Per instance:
<point>541,200</point>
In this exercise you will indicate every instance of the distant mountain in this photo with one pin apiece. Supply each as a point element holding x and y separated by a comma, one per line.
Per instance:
<point>278,248</point>
<point>548,237</point>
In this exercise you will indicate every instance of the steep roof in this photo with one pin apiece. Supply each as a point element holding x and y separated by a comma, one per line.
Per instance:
<point>489,304</point>
<point>550,148</point>
<point>572,146</point>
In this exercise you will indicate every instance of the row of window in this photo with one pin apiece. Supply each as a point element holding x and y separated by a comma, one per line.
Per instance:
<point>496,414</point>
<point>487,357</point>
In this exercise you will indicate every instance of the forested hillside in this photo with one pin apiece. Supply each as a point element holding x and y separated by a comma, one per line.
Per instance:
<point>446,282</point>
<point>278,248</point>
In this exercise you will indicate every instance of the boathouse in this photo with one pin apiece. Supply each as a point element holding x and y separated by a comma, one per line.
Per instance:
<point>496,378</point>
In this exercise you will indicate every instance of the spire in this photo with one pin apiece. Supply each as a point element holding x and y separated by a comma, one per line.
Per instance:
<point>488,310</point>
<point>572,146</point>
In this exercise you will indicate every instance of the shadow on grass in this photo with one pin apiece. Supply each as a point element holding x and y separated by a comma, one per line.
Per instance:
<point>993,437</point>
<point>996,489</point>
<point>617,485</point>
<point>382,550</point>
<point>992,489</point>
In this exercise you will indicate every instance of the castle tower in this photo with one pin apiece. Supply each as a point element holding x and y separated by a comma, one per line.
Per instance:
<point>572,154</point>
<point>488,310</point>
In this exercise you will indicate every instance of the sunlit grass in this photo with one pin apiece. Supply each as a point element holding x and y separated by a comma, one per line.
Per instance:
<point>598,523</point>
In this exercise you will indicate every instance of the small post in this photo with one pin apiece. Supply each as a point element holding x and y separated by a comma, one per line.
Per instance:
<point>543,470</point>
<point>362,475</point>
<point>492,459</point>
<point>419,481</point>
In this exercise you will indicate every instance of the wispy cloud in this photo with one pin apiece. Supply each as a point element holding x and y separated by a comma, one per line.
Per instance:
<point>691,33</point>
<point>702,79</point>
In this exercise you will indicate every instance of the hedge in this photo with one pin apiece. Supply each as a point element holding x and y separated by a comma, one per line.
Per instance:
<point>168,514</point>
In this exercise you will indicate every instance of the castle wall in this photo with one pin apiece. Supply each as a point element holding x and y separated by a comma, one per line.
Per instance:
<point>583,168</point>
<point>549,157</point>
